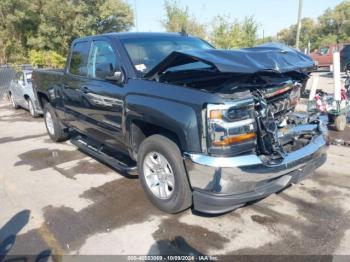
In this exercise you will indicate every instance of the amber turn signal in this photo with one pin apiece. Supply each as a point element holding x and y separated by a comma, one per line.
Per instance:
<point>215,114</point>
<point>235,139</point>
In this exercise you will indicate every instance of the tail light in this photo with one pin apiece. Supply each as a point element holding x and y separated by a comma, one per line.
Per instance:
<point>231,128</point>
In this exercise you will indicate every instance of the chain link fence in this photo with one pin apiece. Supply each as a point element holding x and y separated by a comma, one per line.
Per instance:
<point>7,74</point>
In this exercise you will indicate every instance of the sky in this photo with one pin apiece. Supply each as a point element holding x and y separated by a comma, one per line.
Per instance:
<point>271,15</point>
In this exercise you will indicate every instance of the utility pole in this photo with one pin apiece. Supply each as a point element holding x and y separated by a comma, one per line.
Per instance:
<point>136,18</point>
<point>264,36</point>
<point>300,11</point>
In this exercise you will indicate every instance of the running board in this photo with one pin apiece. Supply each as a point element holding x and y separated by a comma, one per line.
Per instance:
<point>84,145</point>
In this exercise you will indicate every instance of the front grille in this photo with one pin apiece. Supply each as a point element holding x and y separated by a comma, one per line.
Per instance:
<point>285,102</point>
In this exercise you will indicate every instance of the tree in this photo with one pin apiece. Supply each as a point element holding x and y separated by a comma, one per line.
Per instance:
<point>309,33</point>
<point>335,23</point>
<point>51,25</point>
<point>46,58</point>
<point>333,26</point>
<point>179,19</point>
<point>72,19</point>
<point>226,34</point>
<point>17,22</point>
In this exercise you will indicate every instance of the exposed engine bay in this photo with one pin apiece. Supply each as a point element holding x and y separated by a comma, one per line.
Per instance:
<point>279,129</point>
<point>272,75</point>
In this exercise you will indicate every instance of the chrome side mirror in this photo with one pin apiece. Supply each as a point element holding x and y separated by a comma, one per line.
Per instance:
<point>118,77</point>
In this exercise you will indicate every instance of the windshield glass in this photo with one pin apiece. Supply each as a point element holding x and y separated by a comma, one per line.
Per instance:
<point>29,77</point>
<point>146,53</point>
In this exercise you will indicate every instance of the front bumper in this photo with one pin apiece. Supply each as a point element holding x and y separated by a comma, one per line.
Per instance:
<point>223,184</point>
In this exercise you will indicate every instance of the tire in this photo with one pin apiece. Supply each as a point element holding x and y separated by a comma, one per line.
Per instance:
<point>54,128</point>
<point>340,122</point>
<point>31,108</point>
<point>347,67</point>
<point>13,102</point>
<point>179,196</point>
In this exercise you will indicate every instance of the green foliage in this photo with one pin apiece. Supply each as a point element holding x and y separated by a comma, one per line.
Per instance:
<point>224,34</point>
<point>51,25</point>
<point>227,35</point>
<point>330,28</point>
<point>179,19</point>
<point>46,59</point>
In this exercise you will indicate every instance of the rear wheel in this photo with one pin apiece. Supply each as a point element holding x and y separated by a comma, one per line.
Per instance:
<point>340,122</point>
<point>347,68</point>
<point>13,102</point>
<point>54,128</point>
<point>163,175</point>
<point>31,108</point>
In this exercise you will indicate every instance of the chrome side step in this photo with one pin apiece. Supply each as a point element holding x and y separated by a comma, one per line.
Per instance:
<point>88,147</point>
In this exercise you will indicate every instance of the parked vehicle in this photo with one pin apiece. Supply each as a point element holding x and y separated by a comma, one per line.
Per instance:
<point>324,56</point>
<point>21,93</point>
<point>345,58</point>
<point>212,128</point>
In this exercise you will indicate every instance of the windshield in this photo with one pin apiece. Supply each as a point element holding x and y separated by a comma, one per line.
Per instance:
<point>29,77</point>
<point>146,53</point>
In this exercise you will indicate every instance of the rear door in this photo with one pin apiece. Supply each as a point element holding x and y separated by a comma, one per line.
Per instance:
<point>103,99</point>
<point>75,78</point>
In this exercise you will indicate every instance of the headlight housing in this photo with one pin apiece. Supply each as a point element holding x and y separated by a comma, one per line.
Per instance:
<point>231,128</point>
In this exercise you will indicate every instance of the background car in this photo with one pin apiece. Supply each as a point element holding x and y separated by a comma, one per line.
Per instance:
<point>21,93</point>
<point>324,56</point>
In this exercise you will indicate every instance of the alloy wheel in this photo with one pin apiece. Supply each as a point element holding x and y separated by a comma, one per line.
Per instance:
<point>49,123</point>
<point>159,175</point>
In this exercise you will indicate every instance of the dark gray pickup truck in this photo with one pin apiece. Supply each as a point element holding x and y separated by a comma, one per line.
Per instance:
<point>202,127</point>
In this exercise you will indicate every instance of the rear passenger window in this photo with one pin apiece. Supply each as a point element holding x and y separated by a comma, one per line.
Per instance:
<point>78,62</point>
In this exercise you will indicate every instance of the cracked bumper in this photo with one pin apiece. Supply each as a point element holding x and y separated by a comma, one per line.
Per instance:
<point>224,184</point>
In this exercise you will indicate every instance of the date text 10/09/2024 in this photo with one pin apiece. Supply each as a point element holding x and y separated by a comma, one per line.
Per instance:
<point>172,258</point>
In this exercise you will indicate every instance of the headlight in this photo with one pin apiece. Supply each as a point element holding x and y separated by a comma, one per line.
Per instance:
<point>231,128</point>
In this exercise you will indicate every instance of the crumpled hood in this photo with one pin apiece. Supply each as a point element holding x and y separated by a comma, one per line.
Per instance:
<point>268,57</point>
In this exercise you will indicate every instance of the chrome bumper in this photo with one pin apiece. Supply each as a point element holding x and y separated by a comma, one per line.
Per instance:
<point>241,174</point>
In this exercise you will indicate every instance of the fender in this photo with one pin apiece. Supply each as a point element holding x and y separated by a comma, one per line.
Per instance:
<point>176,117</point>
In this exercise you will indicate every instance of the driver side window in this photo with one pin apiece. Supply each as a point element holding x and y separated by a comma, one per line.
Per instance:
<point>102,60</point>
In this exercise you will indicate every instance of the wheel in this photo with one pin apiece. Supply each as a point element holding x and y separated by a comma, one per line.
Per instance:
<point>13,102</point>
<point>340,122</point>
<point>162,174</point>
<point>31,108</point>
<point>53,126</point>
<point>347,67</point>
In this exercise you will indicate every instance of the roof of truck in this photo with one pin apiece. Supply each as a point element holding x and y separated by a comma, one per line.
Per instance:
<point>127,35</point>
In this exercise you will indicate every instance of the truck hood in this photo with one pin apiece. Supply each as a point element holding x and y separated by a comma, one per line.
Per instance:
<point>270,57</point>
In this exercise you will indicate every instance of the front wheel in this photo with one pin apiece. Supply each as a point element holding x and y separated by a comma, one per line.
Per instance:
<point>54,128</point>
<point>13,102</point>
<point>163,175</point>
<point>340,122</point>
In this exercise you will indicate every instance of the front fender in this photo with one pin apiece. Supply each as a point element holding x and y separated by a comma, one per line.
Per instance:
<point>176,117</point>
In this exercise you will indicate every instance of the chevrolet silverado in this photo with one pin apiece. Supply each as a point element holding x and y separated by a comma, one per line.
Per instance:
<point>202,127</point>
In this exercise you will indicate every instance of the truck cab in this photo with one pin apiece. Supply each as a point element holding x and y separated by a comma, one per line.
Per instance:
<point>202,127</point>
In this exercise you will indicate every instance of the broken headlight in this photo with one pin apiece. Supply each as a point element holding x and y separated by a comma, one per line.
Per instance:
<point>231,128</point>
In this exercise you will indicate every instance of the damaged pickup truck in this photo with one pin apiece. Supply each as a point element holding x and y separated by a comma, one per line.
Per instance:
<point>213,129</point>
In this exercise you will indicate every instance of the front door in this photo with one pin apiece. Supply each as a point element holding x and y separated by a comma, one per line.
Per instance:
<point>102,98</point>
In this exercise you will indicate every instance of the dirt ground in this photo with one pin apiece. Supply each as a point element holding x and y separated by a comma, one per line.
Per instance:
<point>56,200</point>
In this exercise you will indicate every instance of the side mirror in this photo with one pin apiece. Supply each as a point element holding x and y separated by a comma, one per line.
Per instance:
<point>118,76</point>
